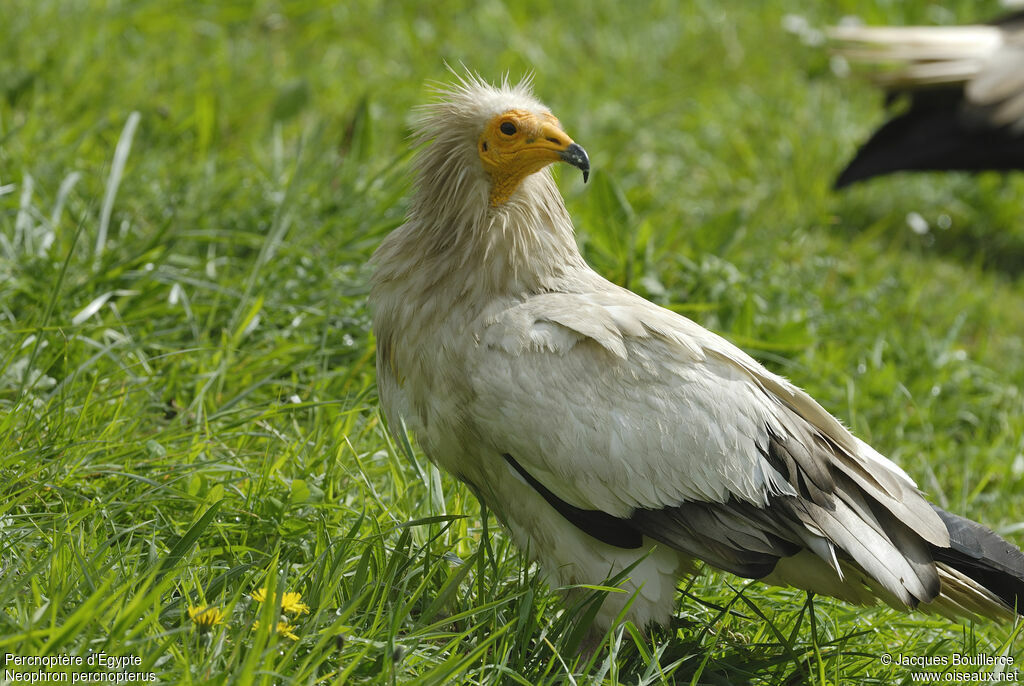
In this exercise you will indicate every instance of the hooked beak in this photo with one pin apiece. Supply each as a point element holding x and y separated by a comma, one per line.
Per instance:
<point>577,157</point>
<point>516,144</point>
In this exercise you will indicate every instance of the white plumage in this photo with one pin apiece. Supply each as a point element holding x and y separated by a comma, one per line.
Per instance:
<point>599,426</point>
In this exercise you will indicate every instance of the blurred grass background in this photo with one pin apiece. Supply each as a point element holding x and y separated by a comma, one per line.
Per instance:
<point>189,193</point>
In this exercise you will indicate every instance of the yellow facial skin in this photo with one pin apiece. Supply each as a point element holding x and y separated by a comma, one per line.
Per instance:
<point>516,144</point>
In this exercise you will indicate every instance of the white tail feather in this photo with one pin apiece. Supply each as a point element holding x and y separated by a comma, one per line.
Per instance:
<point>920,55</point>
<point>962,596</point>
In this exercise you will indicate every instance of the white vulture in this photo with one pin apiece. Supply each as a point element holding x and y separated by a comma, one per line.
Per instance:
<point>965,86</point>
<point>602,429</point>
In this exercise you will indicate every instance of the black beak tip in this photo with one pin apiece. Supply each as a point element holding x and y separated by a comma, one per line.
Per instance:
<point>577,157</point>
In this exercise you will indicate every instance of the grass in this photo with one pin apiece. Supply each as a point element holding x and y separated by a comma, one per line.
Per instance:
<point>189,193</point>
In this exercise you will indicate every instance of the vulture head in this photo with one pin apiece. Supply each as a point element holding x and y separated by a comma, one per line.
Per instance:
<point>484,194</point>
<point>484,142</point>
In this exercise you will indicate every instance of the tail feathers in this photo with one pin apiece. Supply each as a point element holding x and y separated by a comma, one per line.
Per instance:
<point>963,597</point>
<point>985,558</point>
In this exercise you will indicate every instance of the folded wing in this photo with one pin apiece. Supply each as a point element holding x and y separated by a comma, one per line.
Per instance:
<point>615,406</point>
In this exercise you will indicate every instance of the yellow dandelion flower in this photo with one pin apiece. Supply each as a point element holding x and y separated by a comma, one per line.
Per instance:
<point>292,602</point>
<point>206,617</point>
<point>283,628</point>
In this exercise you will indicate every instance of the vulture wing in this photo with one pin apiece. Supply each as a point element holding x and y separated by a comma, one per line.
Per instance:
<point>633,420</point>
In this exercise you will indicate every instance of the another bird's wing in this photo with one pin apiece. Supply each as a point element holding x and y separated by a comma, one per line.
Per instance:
<point>998,89</point>
<point>960,91</point>
<point>616,405</point>
<point>987,60</point>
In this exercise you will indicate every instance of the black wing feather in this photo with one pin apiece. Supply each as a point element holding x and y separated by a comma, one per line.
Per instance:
<point>984,556</point>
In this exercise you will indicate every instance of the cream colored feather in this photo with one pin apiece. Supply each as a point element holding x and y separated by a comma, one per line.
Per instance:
<point>579,411</point>
<point>988,60</point>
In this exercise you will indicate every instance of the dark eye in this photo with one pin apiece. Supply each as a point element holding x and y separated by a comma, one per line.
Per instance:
<point>508,128</point>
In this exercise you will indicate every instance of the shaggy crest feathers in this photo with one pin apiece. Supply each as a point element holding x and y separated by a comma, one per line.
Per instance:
<point>451,125</point>
<point>450,220</point>
<point>469,102</point>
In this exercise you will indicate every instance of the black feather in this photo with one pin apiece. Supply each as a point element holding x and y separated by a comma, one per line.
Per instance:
<point>699,529</point>
<point>739,537</point>
<point>984,556</point>
<point>936,133</point>
<point>601,525</point>
<point>805,469</point>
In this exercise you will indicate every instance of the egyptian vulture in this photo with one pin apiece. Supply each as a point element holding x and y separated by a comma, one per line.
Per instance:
<point>603,429</point>
<point>965,91</point>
